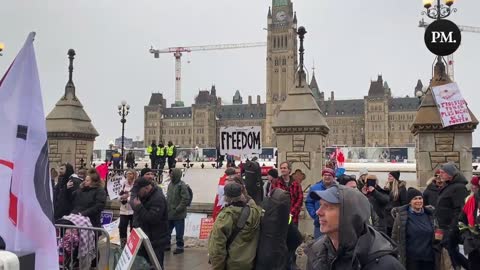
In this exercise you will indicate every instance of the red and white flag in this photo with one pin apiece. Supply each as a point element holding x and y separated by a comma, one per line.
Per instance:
<point>26,207</point>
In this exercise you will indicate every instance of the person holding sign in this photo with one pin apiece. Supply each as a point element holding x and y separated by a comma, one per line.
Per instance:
<point>150,214</point>
<point>126,211</point>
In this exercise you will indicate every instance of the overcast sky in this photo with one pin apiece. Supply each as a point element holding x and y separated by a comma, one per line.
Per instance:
<point>351,42</point>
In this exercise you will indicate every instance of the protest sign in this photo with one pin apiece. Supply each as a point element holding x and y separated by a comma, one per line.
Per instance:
<point>114,185</point>
<point>192,225</point>
<point>136,239</point>
<point>106,217</point>
<point>240,141</point>
<point>451,105</point>
<point>113,232</point>
<point>206,227</point>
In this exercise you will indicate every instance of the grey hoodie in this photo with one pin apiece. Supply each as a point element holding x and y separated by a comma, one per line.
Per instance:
<point>360,246</point>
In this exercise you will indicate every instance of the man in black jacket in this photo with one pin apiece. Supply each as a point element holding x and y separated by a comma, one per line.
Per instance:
<point>349,242</point>
<point>150,214</point>
<point>62,204</point>
<point>449,206</point>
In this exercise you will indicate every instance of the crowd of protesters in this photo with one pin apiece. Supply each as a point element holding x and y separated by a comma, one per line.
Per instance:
<point>79,199</point>
<point>358,223</point>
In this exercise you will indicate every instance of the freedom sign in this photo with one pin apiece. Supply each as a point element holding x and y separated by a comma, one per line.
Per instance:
<point>240,141</point>
<point>451,105</point>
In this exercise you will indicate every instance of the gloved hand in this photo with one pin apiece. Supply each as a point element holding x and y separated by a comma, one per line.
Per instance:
<point>290,219</point>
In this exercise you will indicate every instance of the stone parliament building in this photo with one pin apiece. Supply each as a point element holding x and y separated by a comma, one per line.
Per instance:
<point>376,120</point>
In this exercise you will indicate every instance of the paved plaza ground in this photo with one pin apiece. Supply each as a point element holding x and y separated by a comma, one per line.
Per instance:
<point>197,259</point>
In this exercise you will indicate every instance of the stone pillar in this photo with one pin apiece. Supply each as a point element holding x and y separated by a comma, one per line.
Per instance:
<point>69,129</point>
<point>435,145</point>
<point>301,129</point>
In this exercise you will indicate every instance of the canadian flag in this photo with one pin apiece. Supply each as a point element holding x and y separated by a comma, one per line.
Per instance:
<point>26,207</point>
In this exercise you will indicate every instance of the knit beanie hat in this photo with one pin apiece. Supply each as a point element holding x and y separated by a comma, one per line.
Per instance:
<point>328,171</point>
<point>144,171</point>
<point>395,174</point>
<point>273,173</point>
<point>412,193</point>
<point>233,191</point>
<point>363,171</point>
<point>475,181</point>
<point>344,179</point>
<point>450,169</point>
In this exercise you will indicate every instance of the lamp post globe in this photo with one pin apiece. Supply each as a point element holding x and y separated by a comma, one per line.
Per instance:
<point>123,111</point>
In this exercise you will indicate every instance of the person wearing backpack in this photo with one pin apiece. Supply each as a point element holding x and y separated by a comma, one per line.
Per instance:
<point>178,198</point>
<point>233,241</point>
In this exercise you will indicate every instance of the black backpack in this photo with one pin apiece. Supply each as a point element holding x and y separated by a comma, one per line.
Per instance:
<point>190,192</point>
<point>274,229</point>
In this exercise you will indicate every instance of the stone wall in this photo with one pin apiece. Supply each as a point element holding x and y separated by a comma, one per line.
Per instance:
<point>305,152</point>
<point>435,149</point>
<point>69,151</point>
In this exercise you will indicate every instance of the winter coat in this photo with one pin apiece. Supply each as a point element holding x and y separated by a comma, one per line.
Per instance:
<point>296,195</point>
<point>392,203</point>
<point>399,232</point>
<point>430,195</point>
<point>89,202</point>
<point>177,197</point>
<point>451,199</point>
<point>379,200</point>
<point>253,181</point>
<point>470,235</point>
<point>313,205</point>
<point>360,246</point>
<point>240,255</point>
<point>62,204</point>
<point>152,217</point>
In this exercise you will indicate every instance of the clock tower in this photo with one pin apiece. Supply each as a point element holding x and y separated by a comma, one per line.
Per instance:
<point>281,60</point>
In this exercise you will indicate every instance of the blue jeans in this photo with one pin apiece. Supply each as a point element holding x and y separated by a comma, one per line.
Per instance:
<point>316,232</point>
<point>179,226</point>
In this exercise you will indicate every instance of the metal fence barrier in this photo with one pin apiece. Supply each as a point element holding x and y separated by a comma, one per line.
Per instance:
<point>72,249</point>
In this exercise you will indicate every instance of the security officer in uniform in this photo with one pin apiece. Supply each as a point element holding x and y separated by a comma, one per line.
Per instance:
<point>152,151</point>
<point>161,155</point>
<point>171,154</point>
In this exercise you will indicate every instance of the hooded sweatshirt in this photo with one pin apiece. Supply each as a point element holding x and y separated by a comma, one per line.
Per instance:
<point>177,196</point>
<point>360,246</point>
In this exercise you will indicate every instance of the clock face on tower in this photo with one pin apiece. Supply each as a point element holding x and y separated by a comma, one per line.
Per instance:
<point>281,16</point>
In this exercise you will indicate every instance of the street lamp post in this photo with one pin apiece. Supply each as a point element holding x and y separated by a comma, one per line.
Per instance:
<point>123,111</point>
<point>438,11</point>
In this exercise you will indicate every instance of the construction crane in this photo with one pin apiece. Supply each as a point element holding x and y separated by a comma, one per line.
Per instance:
<point>177,53</point>
<point>450,61</point>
